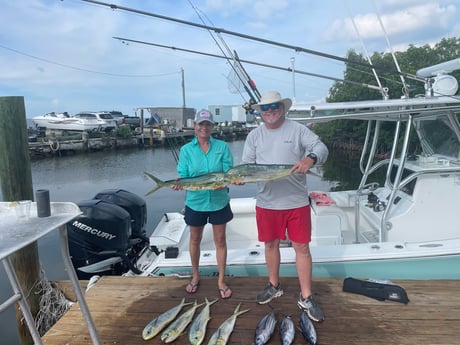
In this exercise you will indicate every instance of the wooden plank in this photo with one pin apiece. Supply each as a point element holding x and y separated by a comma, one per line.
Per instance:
<point>122,306</point>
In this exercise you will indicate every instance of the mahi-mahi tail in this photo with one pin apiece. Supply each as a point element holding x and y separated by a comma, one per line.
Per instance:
<point>160,183</point>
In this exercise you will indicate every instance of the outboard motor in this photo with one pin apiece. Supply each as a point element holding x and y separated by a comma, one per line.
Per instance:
<point>99,239</point>
<point>132,203</point>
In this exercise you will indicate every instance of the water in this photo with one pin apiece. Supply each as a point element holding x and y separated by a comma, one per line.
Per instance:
<point>81,177</point>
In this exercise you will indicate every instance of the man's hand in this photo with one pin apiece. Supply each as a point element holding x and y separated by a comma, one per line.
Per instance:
<point>303,165</point>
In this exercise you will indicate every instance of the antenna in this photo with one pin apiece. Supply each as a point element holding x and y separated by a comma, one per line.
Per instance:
<point>437,81</point>
<point>441,68</point>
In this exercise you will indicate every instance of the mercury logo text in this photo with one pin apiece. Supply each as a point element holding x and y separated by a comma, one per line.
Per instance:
<point>93,231</point>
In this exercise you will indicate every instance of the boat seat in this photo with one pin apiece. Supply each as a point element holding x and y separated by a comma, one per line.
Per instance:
<point>169,232</point>
<point>328,222</point>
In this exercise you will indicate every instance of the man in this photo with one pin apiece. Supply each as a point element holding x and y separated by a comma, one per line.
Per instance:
<point>283,205</point>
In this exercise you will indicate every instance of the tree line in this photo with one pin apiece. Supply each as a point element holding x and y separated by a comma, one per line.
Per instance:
<point>352,132</point>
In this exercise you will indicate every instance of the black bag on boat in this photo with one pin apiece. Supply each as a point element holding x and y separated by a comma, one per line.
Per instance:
<point>378,291</point>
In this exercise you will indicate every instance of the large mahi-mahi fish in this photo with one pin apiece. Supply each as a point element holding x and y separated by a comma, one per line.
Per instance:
<point>244,173</point>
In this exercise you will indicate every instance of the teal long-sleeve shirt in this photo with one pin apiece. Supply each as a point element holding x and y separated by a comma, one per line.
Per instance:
<point>194,162</point>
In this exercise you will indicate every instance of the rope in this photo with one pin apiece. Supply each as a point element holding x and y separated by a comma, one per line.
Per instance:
<point>53,304</point>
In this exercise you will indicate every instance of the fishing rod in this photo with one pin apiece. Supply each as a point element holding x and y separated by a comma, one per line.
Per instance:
<point>235,66</point>
<point>249,80</point>
<point>254,38</point>
<point>287,69</point>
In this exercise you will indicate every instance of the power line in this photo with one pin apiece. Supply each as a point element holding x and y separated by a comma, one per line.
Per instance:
<point>84,69</point>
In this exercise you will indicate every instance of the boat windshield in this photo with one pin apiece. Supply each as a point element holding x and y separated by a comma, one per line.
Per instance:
<point>440,136</point>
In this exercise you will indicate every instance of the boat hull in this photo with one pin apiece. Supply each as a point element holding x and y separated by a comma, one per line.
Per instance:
<point>67,125</point>
<point>391,260</point>
<point>438,267</point>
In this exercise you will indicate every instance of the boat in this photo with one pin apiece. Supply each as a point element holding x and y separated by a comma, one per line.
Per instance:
<point>88,122</point>
<point>403,228</point>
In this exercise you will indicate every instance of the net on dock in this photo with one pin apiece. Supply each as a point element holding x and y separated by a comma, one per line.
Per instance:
<point>53,304</point>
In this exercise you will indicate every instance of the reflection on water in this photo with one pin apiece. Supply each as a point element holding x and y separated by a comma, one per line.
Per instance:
<point>81,177</point>
<point>343,172</point>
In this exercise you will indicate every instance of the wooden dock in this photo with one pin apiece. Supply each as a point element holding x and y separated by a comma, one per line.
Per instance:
<point>122,306</point>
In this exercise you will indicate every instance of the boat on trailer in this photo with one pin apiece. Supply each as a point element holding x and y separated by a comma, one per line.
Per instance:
<point>404,228</point>
<point>65,122</point>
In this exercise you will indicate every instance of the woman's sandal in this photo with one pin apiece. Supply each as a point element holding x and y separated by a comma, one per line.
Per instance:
<point>192,288</point>
<point>224,293</point>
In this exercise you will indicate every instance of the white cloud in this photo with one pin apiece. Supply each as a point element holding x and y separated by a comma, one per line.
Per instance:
<point>423,17</point>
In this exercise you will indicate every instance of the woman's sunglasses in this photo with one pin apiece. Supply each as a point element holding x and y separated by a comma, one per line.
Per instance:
<point>272,106</point>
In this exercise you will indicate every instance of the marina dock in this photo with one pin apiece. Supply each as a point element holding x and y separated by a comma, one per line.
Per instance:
<point>122,306</point>
<point>70,145</point>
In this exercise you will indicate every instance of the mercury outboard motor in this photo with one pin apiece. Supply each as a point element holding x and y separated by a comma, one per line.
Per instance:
<point>99,239</point>
<point>110,235</point>
<point>137,209</point>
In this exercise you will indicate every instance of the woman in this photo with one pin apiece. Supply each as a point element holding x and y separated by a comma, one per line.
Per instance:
<point>203,155</point>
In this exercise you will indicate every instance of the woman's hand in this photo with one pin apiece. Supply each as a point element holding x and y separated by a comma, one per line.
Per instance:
<point>176,186</point>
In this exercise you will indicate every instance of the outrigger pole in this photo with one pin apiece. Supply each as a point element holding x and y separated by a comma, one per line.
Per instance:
<point>247,83</point>
<point>248,79</point>
<point>251,83</point>
<point>254,38</point>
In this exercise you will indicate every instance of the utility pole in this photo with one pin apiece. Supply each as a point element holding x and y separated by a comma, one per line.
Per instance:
<point>293,78</point>
<point>183,87</point>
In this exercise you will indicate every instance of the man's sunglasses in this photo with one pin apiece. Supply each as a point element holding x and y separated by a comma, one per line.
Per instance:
<point>272,106</point>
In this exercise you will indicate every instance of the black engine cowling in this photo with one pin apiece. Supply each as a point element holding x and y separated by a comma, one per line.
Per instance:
<point>132,203</point>
<point>108,236</point>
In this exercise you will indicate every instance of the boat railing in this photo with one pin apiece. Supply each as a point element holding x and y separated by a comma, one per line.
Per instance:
<point>381,221</point>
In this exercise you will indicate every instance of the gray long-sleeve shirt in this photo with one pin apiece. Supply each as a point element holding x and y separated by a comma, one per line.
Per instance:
<point>287,144</point>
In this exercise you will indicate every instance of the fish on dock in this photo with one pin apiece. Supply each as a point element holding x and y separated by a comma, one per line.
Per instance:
<point>197,329</point>
<point>265,328</point>
<point>222,334</point>
<point>177,327</point>
<point>161,321</point>
<point>244,173</point>
<point>287,331</point>
<point>307,329</point>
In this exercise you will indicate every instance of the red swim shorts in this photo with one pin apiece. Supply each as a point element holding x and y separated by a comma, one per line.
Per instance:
<point>273,224</point>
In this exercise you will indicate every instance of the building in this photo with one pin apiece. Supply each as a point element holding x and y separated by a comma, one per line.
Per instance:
<point>230,114</point>
<point>177,118</point>
<point>171,117</point>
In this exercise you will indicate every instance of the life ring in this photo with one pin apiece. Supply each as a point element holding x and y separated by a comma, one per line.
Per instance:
<point>54,145</point>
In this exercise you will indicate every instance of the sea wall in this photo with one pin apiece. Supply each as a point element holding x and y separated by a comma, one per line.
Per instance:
<point>49,146</point>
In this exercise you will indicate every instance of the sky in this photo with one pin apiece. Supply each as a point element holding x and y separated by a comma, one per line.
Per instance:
<point>60,55</point>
